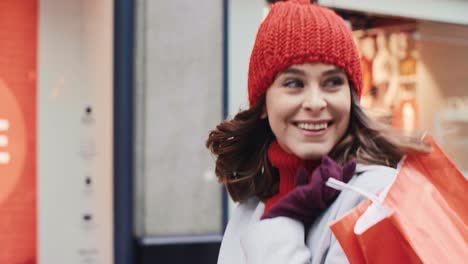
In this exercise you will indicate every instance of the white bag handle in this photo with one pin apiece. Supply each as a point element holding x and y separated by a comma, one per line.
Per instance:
<point>374,214</point>
<point>339,185</point>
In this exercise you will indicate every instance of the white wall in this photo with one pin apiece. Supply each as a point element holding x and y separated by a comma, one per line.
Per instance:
<point>245,17</point>
<point>75,70</point>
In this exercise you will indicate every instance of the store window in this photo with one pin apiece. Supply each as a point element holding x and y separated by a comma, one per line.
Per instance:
<point>414,79</point>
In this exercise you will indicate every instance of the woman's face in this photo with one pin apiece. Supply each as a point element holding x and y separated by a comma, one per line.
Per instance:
<point>308,108</point>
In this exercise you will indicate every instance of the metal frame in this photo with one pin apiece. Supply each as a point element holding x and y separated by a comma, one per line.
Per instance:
<point>225,202</point>
<point>123,131</point>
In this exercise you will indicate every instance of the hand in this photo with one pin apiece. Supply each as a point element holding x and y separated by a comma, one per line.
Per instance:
<point>308,200</point>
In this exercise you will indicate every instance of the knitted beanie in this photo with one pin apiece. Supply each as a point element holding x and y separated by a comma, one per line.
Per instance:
<point>297,32</point>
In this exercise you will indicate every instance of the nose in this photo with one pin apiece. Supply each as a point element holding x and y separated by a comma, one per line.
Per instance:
<point>314,100</point>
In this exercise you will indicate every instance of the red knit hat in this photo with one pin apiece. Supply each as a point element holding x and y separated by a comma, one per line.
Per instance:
<point>296,32</point>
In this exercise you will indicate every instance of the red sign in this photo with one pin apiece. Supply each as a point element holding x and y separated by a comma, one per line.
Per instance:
<point>18,89</point>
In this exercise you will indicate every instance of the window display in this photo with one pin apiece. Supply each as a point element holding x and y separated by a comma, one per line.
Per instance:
<point>413,80</point>
<point>389,65</point>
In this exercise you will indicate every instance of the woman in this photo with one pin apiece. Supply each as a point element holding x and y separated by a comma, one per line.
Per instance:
<point>304,125</point>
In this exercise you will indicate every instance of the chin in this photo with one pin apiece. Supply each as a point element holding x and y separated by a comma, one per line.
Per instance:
<point>312,151</point>
<point>311,155</point>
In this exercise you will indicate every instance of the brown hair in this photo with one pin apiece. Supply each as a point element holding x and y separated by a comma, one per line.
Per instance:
<point>241,146</point>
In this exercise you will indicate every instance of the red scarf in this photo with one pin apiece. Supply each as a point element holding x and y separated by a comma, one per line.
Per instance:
<point>287,165</point>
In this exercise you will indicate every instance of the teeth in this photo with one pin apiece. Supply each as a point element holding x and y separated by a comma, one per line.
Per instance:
<point>312,126</point>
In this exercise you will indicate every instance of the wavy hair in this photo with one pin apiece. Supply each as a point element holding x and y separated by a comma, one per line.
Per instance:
<point>241,149</point>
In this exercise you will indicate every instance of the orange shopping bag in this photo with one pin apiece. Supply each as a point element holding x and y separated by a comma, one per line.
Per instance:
<point>423,217</point>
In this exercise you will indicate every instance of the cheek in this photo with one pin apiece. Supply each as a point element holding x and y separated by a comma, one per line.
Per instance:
<point>277,111</point>
<point>343,111</point>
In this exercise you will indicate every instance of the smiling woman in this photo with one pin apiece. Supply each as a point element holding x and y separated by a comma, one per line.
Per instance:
<point>304,126</point>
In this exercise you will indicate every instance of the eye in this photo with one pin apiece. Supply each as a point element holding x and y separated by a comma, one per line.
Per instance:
<point>334,81</point>
<point>293,83</point>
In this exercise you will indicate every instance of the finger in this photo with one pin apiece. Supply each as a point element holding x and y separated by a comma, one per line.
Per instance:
<point>330,168</point>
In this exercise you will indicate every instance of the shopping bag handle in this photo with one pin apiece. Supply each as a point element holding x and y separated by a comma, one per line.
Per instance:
<point>339,185</point>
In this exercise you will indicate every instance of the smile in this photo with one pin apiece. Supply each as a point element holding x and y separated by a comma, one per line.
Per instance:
<point>313,126</point>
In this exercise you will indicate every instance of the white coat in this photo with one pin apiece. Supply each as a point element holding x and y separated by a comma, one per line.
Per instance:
<point>281,240</point>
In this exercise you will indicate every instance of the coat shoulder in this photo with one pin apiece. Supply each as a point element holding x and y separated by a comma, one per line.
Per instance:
<point>373,178</point>
<point>243,214</point>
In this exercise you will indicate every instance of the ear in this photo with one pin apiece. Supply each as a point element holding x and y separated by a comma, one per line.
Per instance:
<point>264,114</point>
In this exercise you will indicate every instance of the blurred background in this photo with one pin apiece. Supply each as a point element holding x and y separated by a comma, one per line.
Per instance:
<point>105,107</point>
